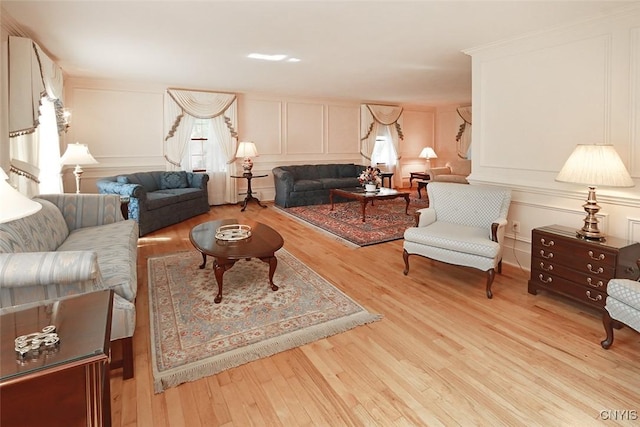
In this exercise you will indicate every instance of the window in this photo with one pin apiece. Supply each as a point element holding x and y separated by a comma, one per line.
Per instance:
<point>203,152</point>
<point>383,152</point>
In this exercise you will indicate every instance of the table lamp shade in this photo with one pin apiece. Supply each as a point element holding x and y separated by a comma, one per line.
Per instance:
<point>597,165</point>
<point>246,150</point>
<point>594,165</point>
<point>14,204</point>
<point>428,153</point>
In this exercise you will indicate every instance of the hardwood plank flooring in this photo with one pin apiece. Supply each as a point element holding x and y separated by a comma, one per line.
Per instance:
<point>444,354</point>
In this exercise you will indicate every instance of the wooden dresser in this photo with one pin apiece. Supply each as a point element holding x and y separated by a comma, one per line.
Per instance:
<point>580,269</point>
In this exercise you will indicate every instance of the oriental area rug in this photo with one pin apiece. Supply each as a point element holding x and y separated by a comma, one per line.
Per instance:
<point>192,337</point>
<point>384,221</point>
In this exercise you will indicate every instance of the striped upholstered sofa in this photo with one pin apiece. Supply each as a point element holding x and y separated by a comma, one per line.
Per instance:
<point>77,243</point>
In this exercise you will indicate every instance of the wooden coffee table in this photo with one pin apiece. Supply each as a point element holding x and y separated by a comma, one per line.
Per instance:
<point>366,197</point>
<point>262,244</point>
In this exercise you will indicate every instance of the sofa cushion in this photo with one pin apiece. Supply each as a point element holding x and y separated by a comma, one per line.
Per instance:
<point>454,237</point>
<point>339,182</point>
<point>307,185</point>
<point>122,179</point>
<point>170,180</point>
<point>43,231</point>
<point>145,179</point>
<point>116,246</point>
<point>161,198</point>
<point>348,171</point>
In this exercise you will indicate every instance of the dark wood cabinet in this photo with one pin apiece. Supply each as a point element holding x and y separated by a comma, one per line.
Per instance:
<point>67,386</point>
<point>580,269</point>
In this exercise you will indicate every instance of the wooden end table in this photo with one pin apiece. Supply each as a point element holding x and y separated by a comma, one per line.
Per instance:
<point>365,197</point>
<point>249,176</point>
<point>262,244</point>
<point>418,175</point>
<point>67,385</point>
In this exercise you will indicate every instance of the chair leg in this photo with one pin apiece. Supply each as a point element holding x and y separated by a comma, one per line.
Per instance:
<point>491,274</point>
<point>405,257</point>
<point>607,321</point>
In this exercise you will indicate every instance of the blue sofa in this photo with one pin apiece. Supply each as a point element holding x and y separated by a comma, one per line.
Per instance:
<point>302,185</point>
<point>158,199</point>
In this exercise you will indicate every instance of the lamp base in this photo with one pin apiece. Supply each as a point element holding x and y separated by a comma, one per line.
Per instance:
<point>77,172</point>
<point>247,165</point>
<point>590,229</point>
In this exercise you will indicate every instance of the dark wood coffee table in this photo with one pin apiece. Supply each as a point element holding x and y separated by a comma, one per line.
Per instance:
<point>364,197</point>
<point>262,244</point>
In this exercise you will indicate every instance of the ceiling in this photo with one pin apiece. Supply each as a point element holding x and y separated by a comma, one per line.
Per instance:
<point>375,51</point>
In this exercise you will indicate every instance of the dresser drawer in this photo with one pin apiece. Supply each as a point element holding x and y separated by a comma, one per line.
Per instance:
<point>571,252</point>
<point>558,285</point>
<point>546,267</point>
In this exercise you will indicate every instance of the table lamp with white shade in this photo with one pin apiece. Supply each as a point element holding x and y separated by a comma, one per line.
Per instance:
<point>246,150</point>
<point>77,154</point>
<point>427,153</point>
<point>14,204</point>
<point>594,165</point>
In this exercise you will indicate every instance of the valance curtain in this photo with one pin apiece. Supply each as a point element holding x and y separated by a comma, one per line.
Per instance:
<point>35,106</point>
<point>463,138</point>
<point>182,107</point>
<point>372,118</point>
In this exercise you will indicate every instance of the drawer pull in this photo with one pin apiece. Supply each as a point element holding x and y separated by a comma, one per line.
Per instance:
<point>550,268</point>
<point>596,298</point>
<point>598,258</point>
<point>544,243</point>
<point>543,280</point>
<point>600,270</point>
<point>543,255</point>
<point>598,284</point>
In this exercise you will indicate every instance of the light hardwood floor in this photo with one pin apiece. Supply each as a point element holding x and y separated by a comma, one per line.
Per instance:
<point>444,354</point>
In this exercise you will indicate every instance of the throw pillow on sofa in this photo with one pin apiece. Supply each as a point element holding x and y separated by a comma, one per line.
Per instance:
<point>171,180</point>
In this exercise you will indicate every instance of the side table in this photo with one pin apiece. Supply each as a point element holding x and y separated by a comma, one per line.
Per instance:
<point>418,175</point>
<point>386,175</point>
<point>249,176</point>
<point>67,385</point>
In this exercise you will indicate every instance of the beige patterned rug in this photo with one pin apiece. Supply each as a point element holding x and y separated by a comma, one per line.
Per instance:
<point>192,337</point>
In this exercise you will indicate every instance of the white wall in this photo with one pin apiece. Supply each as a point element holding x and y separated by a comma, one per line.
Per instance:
<point>123,125</point>
<point>535,98</point>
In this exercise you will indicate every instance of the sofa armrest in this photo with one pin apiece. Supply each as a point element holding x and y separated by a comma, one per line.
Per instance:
<point>498,229</point>
<point>197,180</point>
<point>283,181</point>
<point>442,170</point>
<point>86,210</point>
<point>123,189</point>
<point>77,269</point>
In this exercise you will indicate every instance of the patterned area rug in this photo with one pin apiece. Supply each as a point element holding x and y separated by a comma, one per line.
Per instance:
<point>384,221</point>
<point>192,337</point>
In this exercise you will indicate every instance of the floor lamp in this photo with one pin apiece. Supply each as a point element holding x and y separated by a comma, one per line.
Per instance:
<point>77,154</point>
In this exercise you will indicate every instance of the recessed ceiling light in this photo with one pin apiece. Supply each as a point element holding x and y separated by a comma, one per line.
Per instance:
<point>293,60</point>
<point>267,57</point>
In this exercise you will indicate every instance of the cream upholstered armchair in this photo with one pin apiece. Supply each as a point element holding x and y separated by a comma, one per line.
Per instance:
<point>453,171</point>
<point>622,307</point>
<point>463,225</point>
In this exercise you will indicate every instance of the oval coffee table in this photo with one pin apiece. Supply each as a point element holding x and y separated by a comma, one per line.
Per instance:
<point>262,244</point>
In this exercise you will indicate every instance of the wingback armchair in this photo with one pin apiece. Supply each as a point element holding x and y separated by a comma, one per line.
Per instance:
<point>463,225</point>
<point>622,306</point>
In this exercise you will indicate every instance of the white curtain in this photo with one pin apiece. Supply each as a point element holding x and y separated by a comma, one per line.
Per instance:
<point>183,107</point>
<point>372,118</point>
<point>463,138</point>
<point>36,87</point>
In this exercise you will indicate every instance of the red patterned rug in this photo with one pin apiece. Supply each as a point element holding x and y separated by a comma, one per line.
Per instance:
<point>384,221</point>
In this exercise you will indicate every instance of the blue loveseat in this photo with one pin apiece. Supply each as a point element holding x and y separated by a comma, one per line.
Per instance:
<point>301,185</point>
<point>158,199</point>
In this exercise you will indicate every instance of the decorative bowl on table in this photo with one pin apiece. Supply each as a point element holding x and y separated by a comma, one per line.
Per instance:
<point>233,232</point>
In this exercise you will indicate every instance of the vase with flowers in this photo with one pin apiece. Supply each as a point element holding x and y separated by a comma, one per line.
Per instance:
<point>371,178</point>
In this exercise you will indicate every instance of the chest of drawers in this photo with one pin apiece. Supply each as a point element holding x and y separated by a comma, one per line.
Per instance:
<point>580,269</point>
